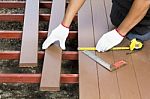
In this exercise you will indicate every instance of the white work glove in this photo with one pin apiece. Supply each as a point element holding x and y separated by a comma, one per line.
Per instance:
<point>60,34</point>
<point>109,40</point>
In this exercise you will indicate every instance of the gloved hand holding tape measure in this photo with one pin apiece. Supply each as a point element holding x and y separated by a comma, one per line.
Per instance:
<point>109,40</point>
<point>134,45</point>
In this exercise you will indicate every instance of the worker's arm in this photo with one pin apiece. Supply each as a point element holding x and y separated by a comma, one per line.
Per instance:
<point>72,9</point>
<point>60,33</point>
<point>136,13</point>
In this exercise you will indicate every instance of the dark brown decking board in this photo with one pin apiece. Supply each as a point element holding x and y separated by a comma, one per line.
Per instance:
<point>29,45</point>
<point>50,80</point>
<point>127,81</point>
<point>141,63</point>
<point>126,77</point>
<point>107,80</point>
<point>88,80</point>
<point>108,5</point>
<point>147,44</point>
<point>124,83</point>
<point>99,19</point>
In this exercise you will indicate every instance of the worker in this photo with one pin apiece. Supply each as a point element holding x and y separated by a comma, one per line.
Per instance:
<point>131,18</point>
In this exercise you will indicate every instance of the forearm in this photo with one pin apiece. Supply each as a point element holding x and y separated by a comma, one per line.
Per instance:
<point>136,14</point>
<point>72,9</point>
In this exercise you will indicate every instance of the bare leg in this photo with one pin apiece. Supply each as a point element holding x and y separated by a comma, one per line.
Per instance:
<point>72,9</point>
<point>136,14</point>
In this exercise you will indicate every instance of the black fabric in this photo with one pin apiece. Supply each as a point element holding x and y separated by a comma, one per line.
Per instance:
<point>120,9</point>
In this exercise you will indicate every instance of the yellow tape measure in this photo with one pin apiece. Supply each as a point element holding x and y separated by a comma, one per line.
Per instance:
<point>93,48</point>
<point>86,48</point>
<point>134,45</point>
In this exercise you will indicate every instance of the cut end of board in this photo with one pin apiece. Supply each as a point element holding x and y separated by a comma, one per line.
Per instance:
<point>28,65</point>
<point>118,65</point>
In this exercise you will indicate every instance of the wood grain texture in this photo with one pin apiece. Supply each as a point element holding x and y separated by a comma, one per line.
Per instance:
<point>107,80</point>
<point>88,80</point>
<point>50,80</point>
<point>29,47</point>
<point>127,80</point>
<point>108,6</point>
<point>141,62</point>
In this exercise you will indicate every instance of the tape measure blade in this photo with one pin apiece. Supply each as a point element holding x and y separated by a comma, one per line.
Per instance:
<point>86,48</point>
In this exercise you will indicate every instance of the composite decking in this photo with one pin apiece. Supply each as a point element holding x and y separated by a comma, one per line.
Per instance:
<point>129,82</point>
<point>29,46</point>
<point>53,55</point>
<point>95,82</point>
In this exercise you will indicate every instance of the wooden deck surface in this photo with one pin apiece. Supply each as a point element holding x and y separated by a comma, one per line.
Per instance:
<point>129,82</point>
<point>95,82</point>
<point>88,80</point>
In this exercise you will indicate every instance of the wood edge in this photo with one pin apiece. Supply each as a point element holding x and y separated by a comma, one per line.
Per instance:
<point>28,64</point>
<point>35,78</point>
<point>20,17</point>
<point>66,55</point>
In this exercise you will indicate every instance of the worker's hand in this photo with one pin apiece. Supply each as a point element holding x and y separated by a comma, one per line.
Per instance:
<point>60,34</point>
<point>109,40</point>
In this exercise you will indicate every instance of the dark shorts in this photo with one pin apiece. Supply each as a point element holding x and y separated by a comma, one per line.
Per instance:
<point>144,37</point>
<point>118,14</point>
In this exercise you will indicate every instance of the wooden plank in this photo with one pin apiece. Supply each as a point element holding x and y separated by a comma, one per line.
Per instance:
<point>99,19</point>
<point>108,5</point>
<point>66,55</point>
<point>29,47</point>
<point>141,62</point>
<point>127,80</point>
<point>147,44</point>
<point>126,76</point>
<point>21,4</point>
<point>88,80</point>
<point>71,55</point>
<point>35,78</point>
<point>42,34</point>
<point>20,17</point>
<point>11,17</point>
<point>53,54</point>
<point>107,80</point>
<point>12,4</point>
